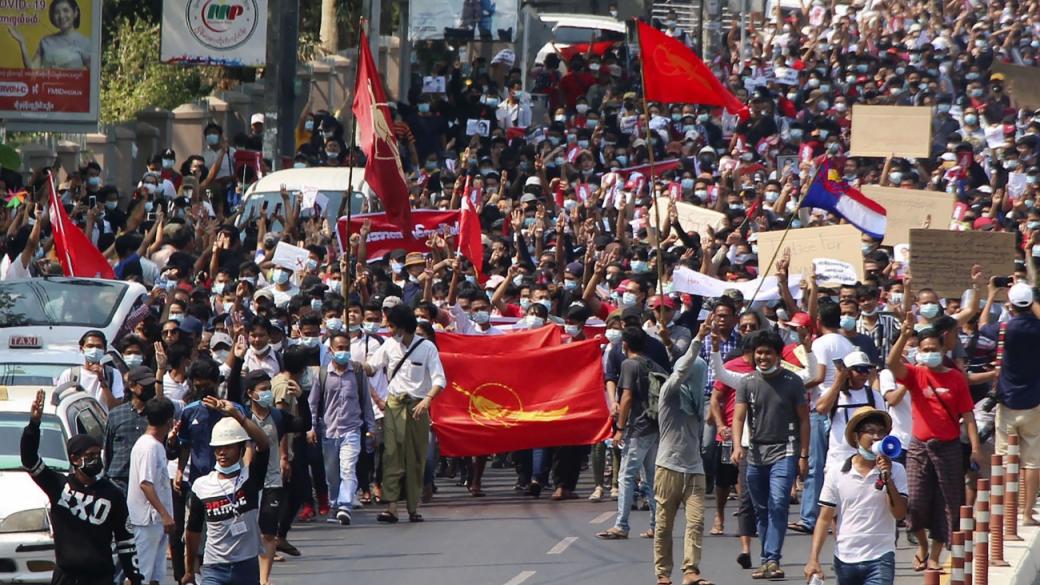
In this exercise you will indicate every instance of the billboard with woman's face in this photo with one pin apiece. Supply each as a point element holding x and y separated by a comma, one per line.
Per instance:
<point>50,57</point>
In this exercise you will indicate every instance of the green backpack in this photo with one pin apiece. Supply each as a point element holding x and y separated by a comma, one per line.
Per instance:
<point>656,379</point>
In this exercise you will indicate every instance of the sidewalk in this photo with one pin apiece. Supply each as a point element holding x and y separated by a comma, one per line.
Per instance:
<point>1024,558</point>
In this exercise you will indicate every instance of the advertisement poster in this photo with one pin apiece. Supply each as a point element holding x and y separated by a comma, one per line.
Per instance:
<point>482,20</point>
<point>50,56</point>
<point>232,33</point>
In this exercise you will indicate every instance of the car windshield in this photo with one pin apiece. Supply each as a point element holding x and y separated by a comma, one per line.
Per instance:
<point>52,441</point>
<point>254,205</point>
<point>31,374</point>
<point>571,35</point>
<point>70,303</point>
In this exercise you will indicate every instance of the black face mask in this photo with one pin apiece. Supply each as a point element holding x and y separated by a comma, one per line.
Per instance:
<point>146,393</point>
<point>91,466</point>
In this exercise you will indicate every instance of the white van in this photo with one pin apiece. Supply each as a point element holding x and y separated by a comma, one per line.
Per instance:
<point>572,29</point>
<point>330,182</point>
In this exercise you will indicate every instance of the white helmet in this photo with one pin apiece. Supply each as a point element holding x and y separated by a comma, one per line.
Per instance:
<point>227,431</point>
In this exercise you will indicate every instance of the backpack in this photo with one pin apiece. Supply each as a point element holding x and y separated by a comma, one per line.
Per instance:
<point>109,375</point>
<point>655,381</point>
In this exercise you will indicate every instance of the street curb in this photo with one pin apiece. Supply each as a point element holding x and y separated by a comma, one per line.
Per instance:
<point>1024,557</point>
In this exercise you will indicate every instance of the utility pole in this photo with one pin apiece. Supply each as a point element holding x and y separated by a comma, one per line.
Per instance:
<point>712,40</point>
<point>283,24</point>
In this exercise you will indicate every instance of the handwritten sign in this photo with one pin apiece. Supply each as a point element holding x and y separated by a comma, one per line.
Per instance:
<point>830,270</point>
<point>289,256</point>
<point>907,209</point>
<point>883,130</point>
<point>691,217</point>
<point>942,259</point>
<point>841,243</point>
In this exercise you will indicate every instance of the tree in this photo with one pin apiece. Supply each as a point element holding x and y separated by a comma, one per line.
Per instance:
<point>329,27</point>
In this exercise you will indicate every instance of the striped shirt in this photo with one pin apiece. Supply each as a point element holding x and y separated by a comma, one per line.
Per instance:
<point>403,133</point>
<point>883,333</point>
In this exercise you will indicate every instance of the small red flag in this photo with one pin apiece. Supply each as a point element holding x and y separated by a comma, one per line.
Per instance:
<point>672,73</point>
<point>598,49</point>
<point>76,253</point>
<point>383,171</point>
<point>546,398</point>
<point>471,244</point>
<point>546,336</point>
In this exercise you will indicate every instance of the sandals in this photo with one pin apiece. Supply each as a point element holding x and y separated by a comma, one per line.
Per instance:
<point>770,570</point>
<point>698,581</point>
<point>415,517</point>
<point>799,527</point>
<point>613,533</point>
<point>920,564</point>
<point>366,498</point>
<point>648,533</point>
<point>386,518</point>
<point>717,530</point>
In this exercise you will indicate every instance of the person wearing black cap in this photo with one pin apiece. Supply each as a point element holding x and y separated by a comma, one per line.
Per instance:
<point>86,510</point>
<point>126,423</point>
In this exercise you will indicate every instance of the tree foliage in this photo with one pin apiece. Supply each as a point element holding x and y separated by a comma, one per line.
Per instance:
<point>132,78</point>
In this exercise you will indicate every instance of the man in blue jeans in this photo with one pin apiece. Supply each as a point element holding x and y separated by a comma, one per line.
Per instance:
<point>867,494</point>
<point>772,400</point>
<point>637,431</point>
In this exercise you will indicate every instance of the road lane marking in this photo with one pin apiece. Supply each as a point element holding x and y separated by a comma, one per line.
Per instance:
<point>523,576</point>
<point>562,545</point>
<point>602,518</point>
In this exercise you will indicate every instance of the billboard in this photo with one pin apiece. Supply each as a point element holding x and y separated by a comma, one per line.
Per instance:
<point>232,33</point>
<point>50,60</point>
<point>481,20</point>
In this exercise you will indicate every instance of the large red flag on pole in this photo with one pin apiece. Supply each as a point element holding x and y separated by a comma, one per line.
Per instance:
<point>470,243</point>
<point>672,73</point>
<point>372,120</point>
<point>546,397</point>
<point>76,253</point>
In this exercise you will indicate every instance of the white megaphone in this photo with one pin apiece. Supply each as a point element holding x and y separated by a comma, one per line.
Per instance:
<point>890,447</point>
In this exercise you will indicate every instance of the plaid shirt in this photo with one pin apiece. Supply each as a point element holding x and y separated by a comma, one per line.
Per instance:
<point>728,346</point>
<point>125,425</point>
<point>884,333</point>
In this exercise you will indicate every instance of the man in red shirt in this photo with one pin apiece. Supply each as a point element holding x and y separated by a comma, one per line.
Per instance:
<point>934,462</point>
<point>576,83</point>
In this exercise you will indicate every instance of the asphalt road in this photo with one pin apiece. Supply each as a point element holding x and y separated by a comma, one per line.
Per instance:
<point>509,539</point>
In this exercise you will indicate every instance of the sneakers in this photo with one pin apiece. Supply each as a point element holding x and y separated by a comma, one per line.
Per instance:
<point>323,505</point>
<point>614,493</point>
<point>306,513</point>
<point>597,494</point>
<point>343,517</point>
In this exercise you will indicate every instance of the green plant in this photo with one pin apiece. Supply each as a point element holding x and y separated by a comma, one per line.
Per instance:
<point>132,78</point>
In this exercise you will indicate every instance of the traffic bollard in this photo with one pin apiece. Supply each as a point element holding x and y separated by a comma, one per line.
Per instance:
<point>932,576</point>
<point>1011,491</point>
<point>968,528</point>
<point>996,523</point>
<point>957,559</point>
<point>981,556</point>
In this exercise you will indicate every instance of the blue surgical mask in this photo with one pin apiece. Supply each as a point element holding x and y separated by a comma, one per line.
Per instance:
<point>639,266</point>
<point>265,398</point>
<point>168,163</point>
<point>133,360</point>
<point>533,321</point>
<point>613,336</point>
<point>333,324</point>
<point>308,125</point>
<point>424,108</point>
<point>569,284</point>
<point>848,322</point>
<point>341,357</point>
<point>571,330</point>
<point>628,299</point>
<point>177,317</point>
<point>213,139</point>
<point>480,317</point>
<point>929,310</point>
<point>929,359</point>
<point>687,184</point>
<point>227,307</point>
<point>299,165</point>
<point>622,159</point>
<point>230,469</point>
<point>94,182</point>
<point>312,264</point>
<point>370,327</point>
<point>280,277</point>
<point>546,303</point>
<point>866,454</point>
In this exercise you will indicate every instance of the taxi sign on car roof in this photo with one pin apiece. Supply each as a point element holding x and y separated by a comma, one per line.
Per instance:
<point>24,342</point>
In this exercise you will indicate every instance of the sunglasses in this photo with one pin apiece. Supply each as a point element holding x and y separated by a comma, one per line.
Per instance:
<point>861,369</point>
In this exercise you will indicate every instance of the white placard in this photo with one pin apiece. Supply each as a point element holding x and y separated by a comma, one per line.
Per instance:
<point>830,270</point>
<point>311,197</point>
<point>479,127</point>
<point>786,75</point>
<point>289,256</point>
<point>431,84</point>
<point>231,33</point>
<point>687,281</point>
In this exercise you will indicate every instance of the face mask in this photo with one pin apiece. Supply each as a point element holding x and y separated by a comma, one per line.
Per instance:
<point>769,370</point>
<point>250,279</point>
<point>796,134</point>
<point>583,144</point>
<point>309,125</point>
<point>591,123</point>
<point>582,108</point>
<point>316,304</point>
<point>396,267</point>
<point>133,360</point>
<point>93,354</point>
<point>341,357</point>
<point>480,317</point>
<point>570,284</point>
<point>94,181</point>
<point>929,310</point>
<point>212,139</point>
<point>747,156</point>
<point>470,279</point>
<point>628,299</point>
<point>622,159</point>
<point>639,266</point>
<point>571,330</point>
<point>227,307</point>
<point>230,469</point>
<point>942,108</point>
<point>533,321</point>
<point>148,206</point>
<point>701,194</point>
<point>895,178</point>
<point>929,359</point>
<point>866,454</point>
<point>333,324</point>
<point>772,196</point>
<point>895,298</point>
<point>546,303</point>
<point>332,154</point>
<point>524,303</point>
<point>91,466</point>
<point>370,327</point>
<point>263,350</point>
<point>221,355</point>
<point>613,336</point>
<point>299,165</point>
<point>971,119</point>
<point>111,205</point>
<point>280,277</point>
<point>265,398</point>
<point>424,108</point>
<point>848,322</point>
<point>308,341</point>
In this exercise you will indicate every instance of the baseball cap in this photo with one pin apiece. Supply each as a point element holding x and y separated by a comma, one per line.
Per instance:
<point>857,359</point>
<point>658,300</point>
<point>220,338</point>
<point>800,319</point>
<point>256,119</point>
<point>391,302</point>
<point>141,375</point>
<point>1020,294</point>
<point>264,292</point>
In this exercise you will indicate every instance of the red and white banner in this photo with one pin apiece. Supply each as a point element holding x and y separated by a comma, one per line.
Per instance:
<point>386,236</point>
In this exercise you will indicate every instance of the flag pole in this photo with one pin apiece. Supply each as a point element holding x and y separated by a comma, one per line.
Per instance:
<point>653,190</point>
<point>53,200</point>
<point>346,280</point>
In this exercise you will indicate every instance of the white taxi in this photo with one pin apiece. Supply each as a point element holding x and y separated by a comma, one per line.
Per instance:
<point>26,545</point>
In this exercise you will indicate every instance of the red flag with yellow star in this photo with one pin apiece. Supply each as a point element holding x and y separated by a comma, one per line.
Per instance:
<point>672,73</point>
<point>547,397</point>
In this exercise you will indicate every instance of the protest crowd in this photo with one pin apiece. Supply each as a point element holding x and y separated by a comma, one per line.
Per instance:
<point>730,359</point>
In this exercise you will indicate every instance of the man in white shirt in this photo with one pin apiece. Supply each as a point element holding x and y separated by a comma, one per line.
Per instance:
<point>22,249</point>
<point>260,355</point>
<point>849,393</point>
<point>102,382</point>
<point>283,290</point>
<point>478,320</point>
<point>867,496</point>
<point>416,377</point>
<point>149,495</point>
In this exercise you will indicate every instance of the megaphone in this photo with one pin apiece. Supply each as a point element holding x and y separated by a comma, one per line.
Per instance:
<point>890,447</point>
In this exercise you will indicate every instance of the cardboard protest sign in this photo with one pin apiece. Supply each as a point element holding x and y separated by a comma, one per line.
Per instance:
<point>883,130</point>
<point>830,270</point>
<point>841,243</point>
<point>692,217</point>
<point>289,256</point>
<point>907,209</point>
<point>1022,83</point>
<point>942,259</point>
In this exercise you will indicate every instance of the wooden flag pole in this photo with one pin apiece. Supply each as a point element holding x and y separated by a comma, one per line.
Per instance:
<point>347,280</point>
<point>653,190</point>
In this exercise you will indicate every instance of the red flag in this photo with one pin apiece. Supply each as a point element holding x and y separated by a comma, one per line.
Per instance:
<point>383,171</point>
<point>470,243</point>
<point>672,73</point>
<point>546,336</point>
<point>387,236</point>
<point>76,253</point>
<point>546,398</point>
<point>598,49</point>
